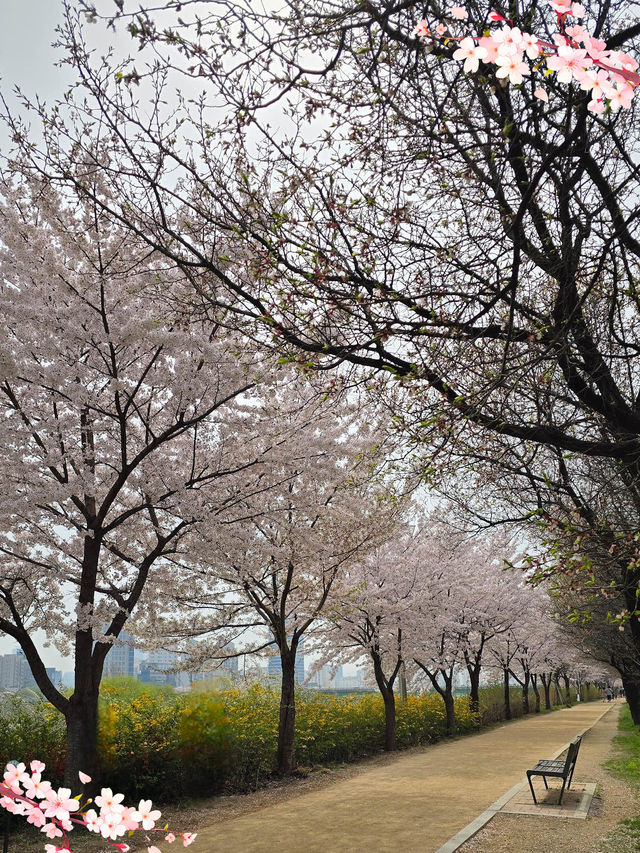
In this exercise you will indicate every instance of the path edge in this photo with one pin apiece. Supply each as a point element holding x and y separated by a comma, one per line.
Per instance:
<point>483,819</point>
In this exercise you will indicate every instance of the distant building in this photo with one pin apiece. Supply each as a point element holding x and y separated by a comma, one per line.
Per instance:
<point>225,667</point>
<point>120,659</point>
<point>161,667</point>
<point>349,682</point>
<point>55,676</point>
<point>274,667</point>
<point>325,678</point>
<point>15,672</point>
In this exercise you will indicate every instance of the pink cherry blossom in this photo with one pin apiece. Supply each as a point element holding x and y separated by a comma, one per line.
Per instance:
<point>188,838</point>
<point>110,801</point>
<point>112,826</point>
<point>58,804</point>
<point>51,830</point>
<point>562,7</point>
<point>441,29</point>
<point>577,32</point>
<point>596,82</point>
<point>458,12</point>
<point>567,62</point>
<point>529,43</point>
<point>153,849</point>
<point>627,61</point>
<point>596,48</point>
<point>577,10</point>
<point>471,53</point>
<point>421,28</point>
<point>509,39</point>
<point>36,817</point>
<point>620,96</point>
<point>170,837</point>
<point>491,46</point>
<point>131,819</point>
<point>34,788</point>
<point>496,16</point>
<point>92,821</point>
<point>9,804</point>
<point>146,815</point>
<point>512,67</point>
<point>14,775</point>
<point>37,767</point>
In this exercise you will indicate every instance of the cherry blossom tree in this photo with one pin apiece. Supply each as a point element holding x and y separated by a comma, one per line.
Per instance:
<point>299,522</point>
<point>371,617</point>
<point>117,413</point>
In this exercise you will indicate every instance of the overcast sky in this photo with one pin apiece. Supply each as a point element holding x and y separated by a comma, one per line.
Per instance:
<point>27,29</point>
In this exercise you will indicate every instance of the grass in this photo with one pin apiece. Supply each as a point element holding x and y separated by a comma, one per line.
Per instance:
<point>625,764</point>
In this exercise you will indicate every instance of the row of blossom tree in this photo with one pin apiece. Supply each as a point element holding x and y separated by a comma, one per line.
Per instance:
<point>431,604</point>
<point>159,470</point>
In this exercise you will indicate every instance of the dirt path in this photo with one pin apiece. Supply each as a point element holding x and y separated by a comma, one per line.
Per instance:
<point>416,803</point>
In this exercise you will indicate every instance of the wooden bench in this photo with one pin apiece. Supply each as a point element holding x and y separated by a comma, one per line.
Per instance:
<point>557,768</point>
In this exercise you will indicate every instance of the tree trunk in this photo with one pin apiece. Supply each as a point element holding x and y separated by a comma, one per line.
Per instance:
<point>449,711</point>
<point>389,700</point>
<point>536,693</point>
<point>567,690</point>
<point>507,695</point>
<point>525,692</point>
<point>632,693</point>
<point>82,736</point>
<point>386,691</point>
<point>286,754</point>
<point>546,683</point>
<point>474,668</point>
<point>474,693</point>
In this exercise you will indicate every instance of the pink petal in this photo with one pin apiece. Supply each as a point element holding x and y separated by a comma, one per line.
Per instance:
<point>540,93</point>
<point>83,777</point>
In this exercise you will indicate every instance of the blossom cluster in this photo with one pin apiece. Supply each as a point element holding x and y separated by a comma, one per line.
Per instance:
<point>608,75</point>
<point>56,812</point>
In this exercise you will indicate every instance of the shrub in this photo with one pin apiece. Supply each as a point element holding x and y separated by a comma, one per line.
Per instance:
<point>30,729</point>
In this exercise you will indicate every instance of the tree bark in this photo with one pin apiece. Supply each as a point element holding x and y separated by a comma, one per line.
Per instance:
<point>525,692</point>
<point>631,685</point>
<point>546,683</point>
<point>386,691</point>
<point>449,711</point>
<point>474,668</point>
<point>536,693</point>
<point>446,693</point>
<point>474,693</point>
<point>286,754</point>
<point>506,694</point>
<point>82,736</point>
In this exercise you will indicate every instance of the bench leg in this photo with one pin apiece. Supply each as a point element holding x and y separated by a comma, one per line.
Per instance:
<point>544,779</point>
<point>571,776</point>
<point>533,794</point>
<point>564,782</point>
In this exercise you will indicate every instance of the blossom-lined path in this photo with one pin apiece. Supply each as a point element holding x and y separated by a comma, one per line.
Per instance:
<point>414,804</point>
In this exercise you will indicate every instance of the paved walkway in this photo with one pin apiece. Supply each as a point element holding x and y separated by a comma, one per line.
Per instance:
<point>414,804</point>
